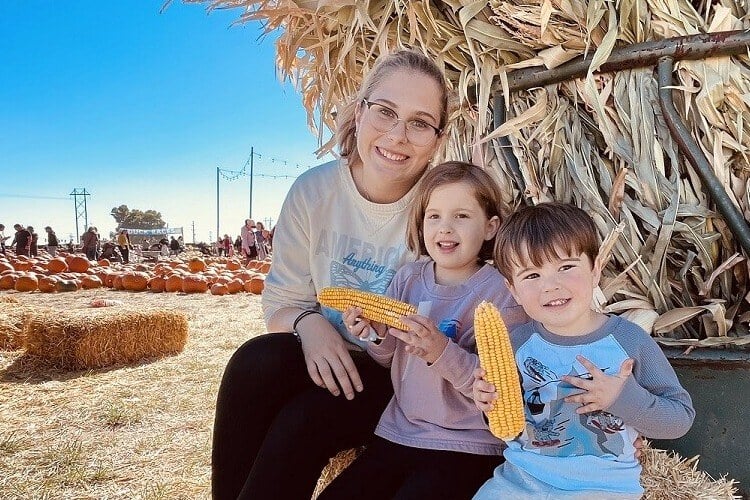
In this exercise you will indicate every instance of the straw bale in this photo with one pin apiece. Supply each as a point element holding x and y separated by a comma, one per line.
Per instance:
<point>95,338</point>
<point>665,476</point>
<point>13,316</point>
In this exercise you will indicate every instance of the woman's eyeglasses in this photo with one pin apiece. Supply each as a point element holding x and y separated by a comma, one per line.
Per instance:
<point>384,119</point>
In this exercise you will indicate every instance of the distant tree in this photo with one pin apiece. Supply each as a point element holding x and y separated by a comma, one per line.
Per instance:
<point>137,219</point>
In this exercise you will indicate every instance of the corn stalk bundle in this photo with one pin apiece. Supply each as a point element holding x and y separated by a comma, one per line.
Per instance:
<point>673,265</point>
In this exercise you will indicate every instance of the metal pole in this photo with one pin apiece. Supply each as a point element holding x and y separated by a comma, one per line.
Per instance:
<point>217,204</point>
<point>250,216</point>
<point>697,159</point>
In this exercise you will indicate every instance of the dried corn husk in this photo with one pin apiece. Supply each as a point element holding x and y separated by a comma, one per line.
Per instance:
<point>599,142</point>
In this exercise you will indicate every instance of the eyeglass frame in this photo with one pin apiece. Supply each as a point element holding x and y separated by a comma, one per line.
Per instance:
<point>369,104</point>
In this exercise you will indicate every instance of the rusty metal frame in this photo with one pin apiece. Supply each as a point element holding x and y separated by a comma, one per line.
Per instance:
<point>661,53</point>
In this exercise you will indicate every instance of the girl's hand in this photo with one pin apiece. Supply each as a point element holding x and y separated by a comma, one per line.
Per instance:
<point>483,393</point>
<point>423,338</point>
<point>600,390</point>
<point>327,357</point>
<point>359,326</point>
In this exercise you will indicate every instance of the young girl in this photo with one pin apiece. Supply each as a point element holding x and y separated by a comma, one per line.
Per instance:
<point>431,441</point>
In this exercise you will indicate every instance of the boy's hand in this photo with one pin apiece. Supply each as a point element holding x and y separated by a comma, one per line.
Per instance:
<point>483,393</point>
<point>601,390</point>
<point>423,338</point>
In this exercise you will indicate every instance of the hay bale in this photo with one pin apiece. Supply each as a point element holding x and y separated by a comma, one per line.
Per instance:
<point>13,316</point>
<point>95,338</point>
<point>665,476</point>
<point>335,465</point>
<point>668,476</point>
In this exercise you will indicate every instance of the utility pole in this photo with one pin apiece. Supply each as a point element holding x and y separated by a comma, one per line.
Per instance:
<point>193,226</point>
<point>80,209</point>
<point>217,205</point>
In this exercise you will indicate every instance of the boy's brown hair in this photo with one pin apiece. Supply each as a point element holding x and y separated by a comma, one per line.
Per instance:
<point>486,191</point>
<point>540,233</point>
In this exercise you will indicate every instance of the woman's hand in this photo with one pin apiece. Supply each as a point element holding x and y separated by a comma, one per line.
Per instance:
<point>423,338</point>
<point>483,393</point>
<point>327,358</point>
<point>599,390</point>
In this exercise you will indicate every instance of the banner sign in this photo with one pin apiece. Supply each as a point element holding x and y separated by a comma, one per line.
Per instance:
<point>152,232</point>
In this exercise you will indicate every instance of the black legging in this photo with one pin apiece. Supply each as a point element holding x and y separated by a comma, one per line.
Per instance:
<point>275,430</point>
<point>125,252</point>
<point>388,470</point>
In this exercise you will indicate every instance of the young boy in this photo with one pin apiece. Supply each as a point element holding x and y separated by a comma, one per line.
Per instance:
<point>591,382</point>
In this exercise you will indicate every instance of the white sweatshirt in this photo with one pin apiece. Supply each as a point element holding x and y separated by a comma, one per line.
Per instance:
<point>329,235</point>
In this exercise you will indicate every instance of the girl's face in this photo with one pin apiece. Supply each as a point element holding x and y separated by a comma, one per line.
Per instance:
<point>389,157</point>
<point>558,293</point>
<point>454,228</point>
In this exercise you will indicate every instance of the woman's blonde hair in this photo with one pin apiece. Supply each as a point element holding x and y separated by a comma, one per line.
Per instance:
<point>411,60</point>
<point>486,192</point>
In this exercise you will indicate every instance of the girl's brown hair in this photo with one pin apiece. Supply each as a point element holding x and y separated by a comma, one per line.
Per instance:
<point>486,192</point>
<point>410,60</point>
<point>540,233</point>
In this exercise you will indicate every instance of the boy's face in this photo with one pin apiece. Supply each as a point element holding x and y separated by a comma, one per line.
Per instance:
<point>558,293</point>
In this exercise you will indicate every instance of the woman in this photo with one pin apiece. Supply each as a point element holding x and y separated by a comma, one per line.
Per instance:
<point>261,240</point>
<point>123,244</point>
<point>290,401</point>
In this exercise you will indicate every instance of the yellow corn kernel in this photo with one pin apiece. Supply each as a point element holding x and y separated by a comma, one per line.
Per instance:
<point>374,307</point>
<point>496,358</point>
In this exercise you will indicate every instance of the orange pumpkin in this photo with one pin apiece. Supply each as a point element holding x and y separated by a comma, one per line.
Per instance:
<point>104,262</point>
<point>47,284</point>
<point>256,285</point>
<point>8,281</point>
<point>22,263</point>
<point>157,284</point>
<point>233,265</point>
<point>5,266</point>
<point>196,265</point>
<point>91,281</point>
<point>78,264</point>
<point>174,283</point>
<point>219,289</point>
<point>117,282</point>
<point>26,283</point>
<point>57,265</point>
<point>194,284</point>
<point>135,281</point>
<point>235,285</point>
<point>265,267</point>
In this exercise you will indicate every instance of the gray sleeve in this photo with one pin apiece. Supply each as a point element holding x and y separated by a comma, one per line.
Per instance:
<point>652,400</point>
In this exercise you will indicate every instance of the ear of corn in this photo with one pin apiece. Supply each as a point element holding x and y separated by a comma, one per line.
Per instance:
<point>496,358</point>
<point>374,307</point>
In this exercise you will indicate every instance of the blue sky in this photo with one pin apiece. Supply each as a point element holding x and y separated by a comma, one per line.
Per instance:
<point>140,108</point>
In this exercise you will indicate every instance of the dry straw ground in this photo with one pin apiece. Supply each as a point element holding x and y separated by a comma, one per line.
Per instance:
<point>125,432</point>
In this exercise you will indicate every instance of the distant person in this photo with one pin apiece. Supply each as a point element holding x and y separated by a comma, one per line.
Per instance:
<point>21,240</point>
<point>261,240</point>
<point>238,245</point>
<point>34,244</point>
<point>123,244</point>
<point>226,243</point>
<point>90,243</point>
<point>249,245</point>
<point>174,246</point>
<point>52,242</point>
<point>3,238</point>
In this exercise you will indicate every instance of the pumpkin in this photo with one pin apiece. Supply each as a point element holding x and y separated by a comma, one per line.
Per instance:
<point>194,284</point>
<point>22,263</point>
<point>117,282</point>
<point>235,285</point>
<point>135,281</point>
<point>5,266</point>
<point>255,285</point>
<point>57,265</point>
<point>47,284</point>
<point>174,283</point>
<point>265,267</point>
<point>219,289</point>
<point>78,264</point>
<point>26,283</point>
<point>157,284</point>
<point>233,265</point>
<point>91,281</point>
<point>8,281</point>
<point>66,285</point>
<point>196,265</point>
<point>104,262</point>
